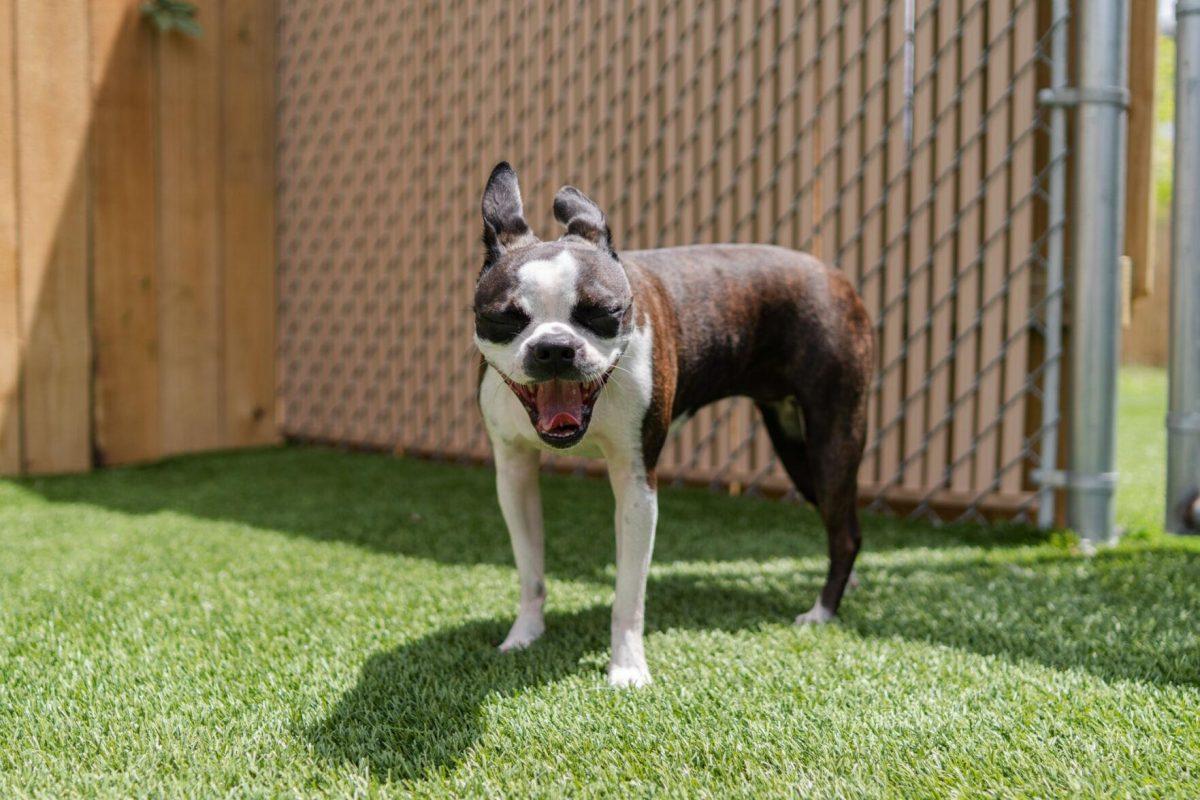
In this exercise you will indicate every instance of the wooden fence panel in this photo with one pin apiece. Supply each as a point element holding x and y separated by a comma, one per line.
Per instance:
<point>52,130</point>
<point>248,217</point>
<point>125,260</point>
<point>10,325</point>
<point>136,224</point>
<point>189,264</point>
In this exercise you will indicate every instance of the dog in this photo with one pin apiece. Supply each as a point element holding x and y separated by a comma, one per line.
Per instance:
<point>589,352</point>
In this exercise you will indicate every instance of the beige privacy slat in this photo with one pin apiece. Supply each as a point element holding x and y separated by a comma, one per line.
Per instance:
<point>1020,248</point>
<point>890,323</point>
<point>943,255</point>
<point>966,307</point>
<point>919,242</point>
<point>995,222</point>
<point>875,82</point>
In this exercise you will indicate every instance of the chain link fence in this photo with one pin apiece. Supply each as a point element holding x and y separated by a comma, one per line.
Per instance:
<point>901,141</point>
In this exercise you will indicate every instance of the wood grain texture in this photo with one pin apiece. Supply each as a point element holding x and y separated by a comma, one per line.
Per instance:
<point>124,234</point>
<point>247,33</point>
<point>189,212</point>
<point>10,333</point>
<point>52,127</point>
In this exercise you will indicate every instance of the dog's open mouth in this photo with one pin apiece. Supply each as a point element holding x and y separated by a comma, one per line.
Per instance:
<point>560,410</point>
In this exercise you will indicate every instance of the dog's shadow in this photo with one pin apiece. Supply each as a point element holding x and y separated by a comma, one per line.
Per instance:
<point>416,710</point>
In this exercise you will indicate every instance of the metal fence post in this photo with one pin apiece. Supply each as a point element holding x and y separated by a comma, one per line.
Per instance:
<point>1101,99</point>
<point>1183,419</point>
<point>1057,186</point>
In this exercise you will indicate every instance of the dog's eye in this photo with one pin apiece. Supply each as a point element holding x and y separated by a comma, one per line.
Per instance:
<point>500,326</point>
<point>604,322</point>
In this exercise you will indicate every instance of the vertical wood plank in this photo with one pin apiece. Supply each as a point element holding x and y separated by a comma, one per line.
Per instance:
<point>189,232</point>
<point>53,104</point>
<point>10,333</point>
<point>248,221</point>
<point>125,234</point>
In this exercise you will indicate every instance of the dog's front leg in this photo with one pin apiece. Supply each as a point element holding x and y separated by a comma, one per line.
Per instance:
<point>521,505</point>
<point>636,517</point>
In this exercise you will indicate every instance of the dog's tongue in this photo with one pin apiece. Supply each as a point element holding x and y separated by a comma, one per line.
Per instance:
<point>559,404</point>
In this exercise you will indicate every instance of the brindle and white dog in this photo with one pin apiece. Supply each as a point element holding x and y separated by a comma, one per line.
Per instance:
<point>590,353</point>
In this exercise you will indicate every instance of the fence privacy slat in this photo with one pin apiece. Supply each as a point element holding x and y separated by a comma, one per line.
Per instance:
<point>248,205</point>
<point>10,334</point>
<point>970,201</point>
<point>890,319</point>
<point>853,130</point>
<point>916,345</point>
<point>942,254</point>
<point>1020,247</point>
<point>875,149</point>
<point>53,104</point>
<point>995,222</point>
<point>189,106</point>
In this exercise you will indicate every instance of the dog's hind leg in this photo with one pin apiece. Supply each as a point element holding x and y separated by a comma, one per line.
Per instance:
<point>835,451</point>
<point>821,457</point>
<point>521,504</point>
<point>785,426</point>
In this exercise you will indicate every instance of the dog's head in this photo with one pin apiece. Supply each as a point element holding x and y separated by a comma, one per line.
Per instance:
<point>551,317</point>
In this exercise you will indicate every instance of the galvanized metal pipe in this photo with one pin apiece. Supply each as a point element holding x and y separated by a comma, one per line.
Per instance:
<point>1057,180</point>
<point>1101,98</point>
<point>1183,418</point>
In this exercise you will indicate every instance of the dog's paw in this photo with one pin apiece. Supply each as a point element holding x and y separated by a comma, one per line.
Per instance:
<point>524,632</point>
<point>817,615</point>
<point>622,677</point>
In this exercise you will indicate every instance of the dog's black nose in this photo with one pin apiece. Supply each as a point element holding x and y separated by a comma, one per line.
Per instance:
<point>554,354</point>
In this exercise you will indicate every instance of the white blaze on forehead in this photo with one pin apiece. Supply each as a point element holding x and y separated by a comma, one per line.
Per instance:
<point>547,287</point>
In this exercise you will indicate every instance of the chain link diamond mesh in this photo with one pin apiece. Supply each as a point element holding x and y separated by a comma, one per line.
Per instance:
<point>901,141</point>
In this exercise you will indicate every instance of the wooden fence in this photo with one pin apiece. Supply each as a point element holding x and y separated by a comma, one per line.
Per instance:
<point>136,233</point>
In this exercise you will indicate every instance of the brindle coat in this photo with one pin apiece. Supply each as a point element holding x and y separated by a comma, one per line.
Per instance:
<point>768,323</point>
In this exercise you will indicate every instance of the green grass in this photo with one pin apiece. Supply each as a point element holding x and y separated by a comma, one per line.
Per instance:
<point>1142,449</point>
<point>304,622</point>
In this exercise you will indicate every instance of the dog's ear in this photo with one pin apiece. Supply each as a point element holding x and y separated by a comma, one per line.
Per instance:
<point>582,217</point>
<point>504,225</point>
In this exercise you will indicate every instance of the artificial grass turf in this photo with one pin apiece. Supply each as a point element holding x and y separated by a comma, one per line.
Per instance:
<point>305,622</point>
